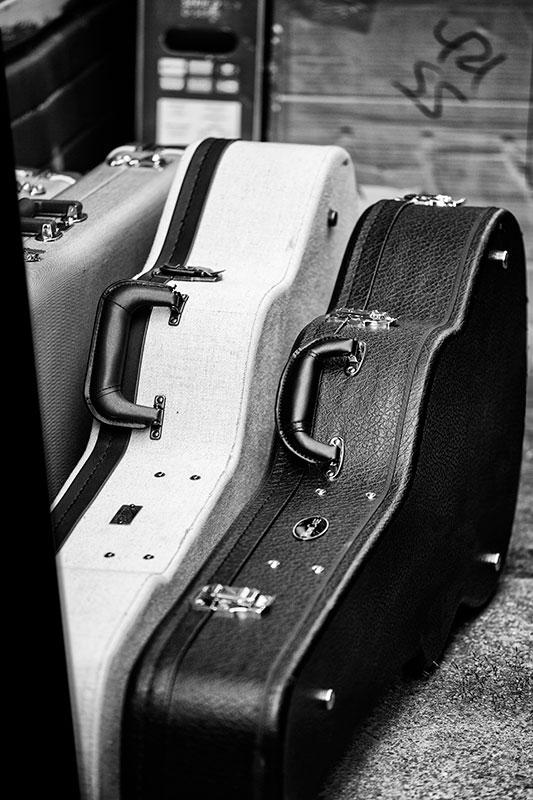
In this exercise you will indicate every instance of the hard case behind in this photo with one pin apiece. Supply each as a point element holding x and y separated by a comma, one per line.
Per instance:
<point>388,504</point>
<point>247,250</point>
<point>110,230</point>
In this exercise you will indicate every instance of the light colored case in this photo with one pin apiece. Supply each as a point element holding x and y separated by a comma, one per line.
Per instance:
<point>267,222</point>
<point>122,199</point>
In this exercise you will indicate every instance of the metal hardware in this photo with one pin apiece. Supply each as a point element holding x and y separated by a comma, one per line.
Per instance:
<point>33,189</point>
<point>492,559</point>
<point>317,569</point>
<point>273,564</point>
<point>42,231</point>
<point>31,255</point>
<point>142,157</point>
<point>176,311</point>
<point>231,600</point>
<point>499,256</point>
<point>326,696</point>
<point>109,555</point>
<point>148,557</point>
<point>370,495</point>
<point>333,218</point>
<point>321,492</point>
<point>440,200</point>
<point>146,160</point>
<point>125,515</point>
<point>159,474</point>
<point>335,466</point>
<point>35,182</point>
<point>375,320</point>
<point>47,219</point>
<point>157,425</point>
<point>355,360</point>
<point>194,478</point>
<point>180,272</point>
<point>310,528</point>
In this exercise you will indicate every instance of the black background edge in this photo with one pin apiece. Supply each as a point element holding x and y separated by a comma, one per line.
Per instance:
<point>39,726</point>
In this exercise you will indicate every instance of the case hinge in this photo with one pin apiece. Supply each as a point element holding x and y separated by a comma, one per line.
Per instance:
<point>231,600</point>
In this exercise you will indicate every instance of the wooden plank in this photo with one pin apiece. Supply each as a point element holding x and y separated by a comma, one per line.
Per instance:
<point>320,54</point>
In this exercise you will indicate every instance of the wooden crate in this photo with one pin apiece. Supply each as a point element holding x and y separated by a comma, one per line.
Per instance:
<point>429,95</point>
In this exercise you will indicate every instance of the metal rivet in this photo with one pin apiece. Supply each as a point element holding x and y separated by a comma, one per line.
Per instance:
<point>370,495</point>
<point>493,559</point>
<point>317,569</point>
<point>499,255</point>
<point>273,564</point>
<point>194,478</point>
<point>108,555</point>
<point>333,218</point>
<point>159,474</point>
<point>321,492</point>
<point>350,371</point>
<point>326,696</point>
<point>160,398</point>
<point>147,557</point>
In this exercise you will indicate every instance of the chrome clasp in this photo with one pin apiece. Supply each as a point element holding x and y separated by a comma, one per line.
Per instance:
<point>144,157</point>
<point>375,320</point>
<point>440,200</point>
<point>231,600</point>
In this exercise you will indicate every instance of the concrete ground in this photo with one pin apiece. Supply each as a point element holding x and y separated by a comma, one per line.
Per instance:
<point>465,732</point>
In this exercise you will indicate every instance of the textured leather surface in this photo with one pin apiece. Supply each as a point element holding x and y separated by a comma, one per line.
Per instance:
<point>433,426</point>
<point>123,206</point>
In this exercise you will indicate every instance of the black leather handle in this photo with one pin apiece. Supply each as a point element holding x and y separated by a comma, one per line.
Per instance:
<point>297,396</point>
<point>103,386</point>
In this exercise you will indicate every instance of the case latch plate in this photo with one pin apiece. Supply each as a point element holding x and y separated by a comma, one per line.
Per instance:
<point>231,600</point>
<point>441,200</point>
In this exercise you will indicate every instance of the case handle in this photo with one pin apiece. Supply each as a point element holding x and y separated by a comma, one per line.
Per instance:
<point>103,386</point>
<point>297,396</point>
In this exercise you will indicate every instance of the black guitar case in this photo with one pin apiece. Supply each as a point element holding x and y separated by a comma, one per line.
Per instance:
<point>389,504</point>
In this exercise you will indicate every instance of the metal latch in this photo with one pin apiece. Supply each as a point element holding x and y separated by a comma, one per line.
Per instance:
<point>35,182</point>
<point>230,600</point>
<point>48,219</point>
<point>441,200</point>
<point>375,320</point>
<point>142,156</point>
<point>180,272</point>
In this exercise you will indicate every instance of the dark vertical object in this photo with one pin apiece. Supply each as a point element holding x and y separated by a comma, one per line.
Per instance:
<point>201,70</point>
<point>40,723</point>
<point>529,142</point>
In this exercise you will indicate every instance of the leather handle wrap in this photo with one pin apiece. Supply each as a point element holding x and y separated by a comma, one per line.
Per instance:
<point>103,386</point>
<point>298,394</point>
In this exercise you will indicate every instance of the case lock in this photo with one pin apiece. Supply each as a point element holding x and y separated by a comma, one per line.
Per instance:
<point>231,600</point>
<point>375,320</point>
<point>181,272</point>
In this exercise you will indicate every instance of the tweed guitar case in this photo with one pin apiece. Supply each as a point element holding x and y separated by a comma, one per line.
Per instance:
<point>76,242</point>
<point>182,376</point>
<point>388,504</point>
